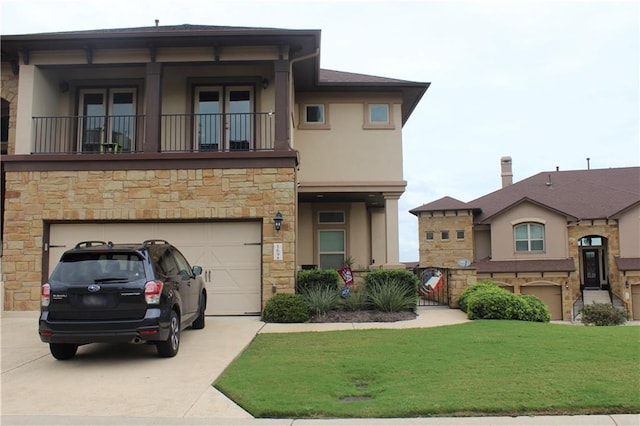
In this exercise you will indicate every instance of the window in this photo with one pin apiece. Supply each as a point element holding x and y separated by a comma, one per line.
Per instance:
<point>4,127</point>
<point>331,249</point>
<point>529,237</point>
<point>430,235</point>
<point>314,116</point>
<point>460,235</point>
<point>378,116</point>
<point>330,217</point>
<point>444,235</point>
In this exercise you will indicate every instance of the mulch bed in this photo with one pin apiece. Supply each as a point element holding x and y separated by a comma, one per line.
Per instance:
<point>364,316</point>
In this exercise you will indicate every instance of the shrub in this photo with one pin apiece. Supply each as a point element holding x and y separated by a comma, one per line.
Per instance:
<point>392,296</point>
<point>286,308</point>
<point>473,289</point>
<point>317,278</point>
<point>603,314</point>
<point>321,300</point>
<point>381,277</point>
<point>492,302</point>
<point>357,301</point>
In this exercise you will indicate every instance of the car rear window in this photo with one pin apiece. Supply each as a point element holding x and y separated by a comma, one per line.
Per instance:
<point>92,267</point>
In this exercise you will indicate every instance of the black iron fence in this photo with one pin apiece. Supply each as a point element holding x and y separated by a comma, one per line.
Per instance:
<point>434,286</point>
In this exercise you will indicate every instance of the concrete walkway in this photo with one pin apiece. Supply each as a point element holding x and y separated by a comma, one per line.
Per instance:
<point>129,385</point>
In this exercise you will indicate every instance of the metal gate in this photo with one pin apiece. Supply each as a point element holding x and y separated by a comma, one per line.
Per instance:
<point>433,289</point>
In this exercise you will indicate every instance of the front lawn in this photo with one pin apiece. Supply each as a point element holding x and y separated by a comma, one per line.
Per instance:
<point>478,368</point>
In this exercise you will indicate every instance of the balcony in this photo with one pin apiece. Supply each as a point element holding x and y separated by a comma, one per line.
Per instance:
<point>179,133</point>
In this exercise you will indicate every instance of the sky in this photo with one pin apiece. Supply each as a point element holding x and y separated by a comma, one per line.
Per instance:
<point>548,83</point>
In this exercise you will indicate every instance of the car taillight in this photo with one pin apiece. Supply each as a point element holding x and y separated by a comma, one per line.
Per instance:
<point>45,295</point>
<point>152,292</point>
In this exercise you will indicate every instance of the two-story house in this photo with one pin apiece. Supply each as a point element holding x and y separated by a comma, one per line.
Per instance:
<point>555,235</point>
<point>229,142</point>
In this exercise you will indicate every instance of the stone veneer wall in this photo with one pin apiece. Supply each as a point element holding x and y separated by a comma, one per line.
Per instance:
<point>35,197</point>
<point>445,253</point>
<point>9,92</point>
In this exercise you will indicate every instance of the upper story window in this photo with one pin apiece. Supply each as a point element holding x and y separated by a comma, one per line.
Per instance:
<point>444,235</point>
<point>378,116</point>
<point>529,237</point>
<point>314,116</point>
<point>459,235</point>
<point>429,235</point>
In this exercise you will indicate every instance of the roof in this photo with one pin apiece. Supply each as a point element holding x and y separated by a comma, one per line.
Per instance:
<point>302,44</point>
<point>487,266</point>
<point>628,263</point>
<point>442,204</point>
<point>577,194</point>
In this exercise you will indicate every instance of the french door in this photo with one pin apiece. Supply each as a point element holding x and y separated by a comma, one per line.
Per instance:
<point>223,118</point>
<point>107,120</point>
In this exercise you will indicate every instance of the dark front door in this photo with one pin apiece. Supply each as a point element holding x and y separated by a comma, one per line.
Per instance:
<point>590,268</point>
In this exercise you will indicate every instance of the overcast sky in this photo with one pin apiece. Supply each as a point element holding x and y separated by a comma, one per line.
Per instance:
<point>548,83</point>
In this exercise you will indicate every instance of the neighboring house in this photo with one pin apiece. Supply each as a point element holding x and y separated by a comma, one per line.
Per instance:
<point>200,135</point>
<point>553,235</point>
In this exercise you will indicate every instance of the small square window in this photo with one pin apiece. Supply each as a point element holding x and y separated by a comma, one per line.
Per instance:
<point>445,235</point>
<point>430,236</point>
<point>460,235</point>
<point>331,217</point>
<point>314,114</point>
<point>379,114</point>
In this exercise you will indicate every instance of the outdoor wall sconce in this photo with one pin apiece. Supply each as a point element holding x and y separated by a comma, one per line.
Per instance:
<point>566,284</point>
<point>626,284</point>
<point>265,83</point>
<point>277,221</point>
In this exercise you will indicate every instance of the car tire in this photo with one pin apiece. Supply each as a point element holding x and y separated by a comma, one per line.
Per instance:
<point>63,351</point>
<point>198,324</point>
<point>169,348</point>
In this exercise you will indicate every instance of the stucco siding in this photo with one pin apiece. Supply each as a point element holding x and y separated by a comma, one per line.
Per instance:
<point>629,225</point>
<point>502,234</point>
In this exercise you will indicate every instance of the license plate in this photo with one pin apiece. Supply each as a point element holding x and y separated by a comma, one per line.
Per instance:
<point>94,300</point>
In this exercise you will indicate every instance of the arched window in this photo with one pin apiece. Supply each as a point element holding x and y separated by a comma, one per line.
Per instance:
<point>529,237</point>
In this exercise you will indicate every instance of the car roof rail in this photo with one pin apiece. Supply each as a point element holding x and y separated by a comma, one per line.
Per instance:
<point>151,242</point>
<point>85,244</point>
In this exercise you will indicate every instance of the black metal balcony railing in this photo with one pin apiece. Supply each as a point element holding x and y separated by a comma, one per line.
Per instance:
<point>88,134</point>
<point>217,132</point>
<point>179,133</point>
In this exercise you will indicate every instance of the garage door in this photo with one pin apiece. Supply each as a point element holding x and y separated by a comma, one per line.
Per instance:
<point>229,252</point>
<point>550,294</point>
<point>635,301</point>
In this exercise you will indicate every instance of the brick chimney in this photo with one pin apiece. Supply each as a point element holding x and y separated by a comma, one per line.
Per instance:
<point>505,171</point>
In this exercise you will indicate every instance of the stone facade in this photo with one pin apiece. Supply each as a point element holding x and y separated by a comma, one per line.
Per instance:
<point>445,253</point>
<point>34,198</point>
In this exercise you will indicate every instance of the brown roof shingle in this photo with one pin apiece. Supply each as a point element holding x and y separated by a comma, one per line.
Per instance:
<point>487,266</point>
<point>442,204</point>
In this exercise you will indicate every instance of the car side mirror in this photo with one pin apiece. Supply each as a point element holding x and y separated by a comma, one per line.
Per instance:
<point>197,270</point>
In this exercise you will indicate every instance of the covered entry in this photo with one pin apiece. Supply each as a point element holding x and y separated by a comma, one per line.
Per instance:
<point>550,294</point>
<point>228,252</point>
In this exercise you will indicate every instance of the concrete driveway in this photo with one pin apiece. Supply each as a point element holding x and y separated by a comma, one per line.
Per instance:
<point>120,380</point>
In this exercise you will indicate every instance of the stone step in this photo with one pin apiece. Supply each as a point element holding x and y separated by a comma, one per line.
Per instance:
<point>596,296</point>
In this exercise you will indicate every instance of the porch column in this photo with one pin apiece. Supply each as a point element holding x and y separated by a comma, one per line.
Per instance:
<point>282,96</point>
<point>153,98</point>
<point>391,231</point>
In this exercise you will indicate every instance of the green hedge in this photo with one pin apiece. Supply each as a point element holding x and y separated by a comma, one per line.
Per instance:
<point>485,300</point>
<point>286,308</point>
<point>392,290</point>
<point>317,279</point>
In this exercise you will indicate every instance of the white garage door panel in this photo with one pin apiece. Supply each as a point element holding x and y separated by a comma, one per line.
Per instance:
<point>231,251</point>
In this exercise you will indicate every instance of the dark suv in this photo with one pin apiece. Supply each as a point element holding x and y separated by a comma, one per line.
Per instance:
<point>105,292</point>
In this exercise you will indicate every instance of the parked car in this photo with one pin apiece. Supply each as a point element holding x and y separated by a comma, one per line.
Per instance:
<point>105,292</point>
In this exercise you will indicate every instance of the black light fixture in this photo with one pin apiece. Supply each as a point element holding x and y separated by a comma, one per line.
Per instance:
<point>265,83</point>
<point>277,221</point>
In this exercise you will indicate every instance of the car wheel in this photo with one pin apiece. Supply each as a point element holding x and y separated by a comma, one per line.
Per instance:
<point>198,324</point>
<point>169,347</point>
<point>63,351</point>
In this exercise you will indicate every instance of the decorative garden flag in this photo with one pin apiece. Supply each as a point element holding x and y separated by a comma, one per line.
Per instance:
<point>346,274</point>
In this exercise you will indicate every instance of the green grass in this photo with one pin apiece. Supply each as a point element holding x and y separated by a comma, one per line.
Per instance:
<point>477,368</point>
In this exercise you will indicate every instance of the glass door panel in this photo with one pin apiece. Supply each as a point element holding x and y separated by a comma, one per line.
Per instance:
<point>208,123</point>
<point>92,126</point>
<point>122,122</point>
<point>331,249</point>
<point>239,118</point>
